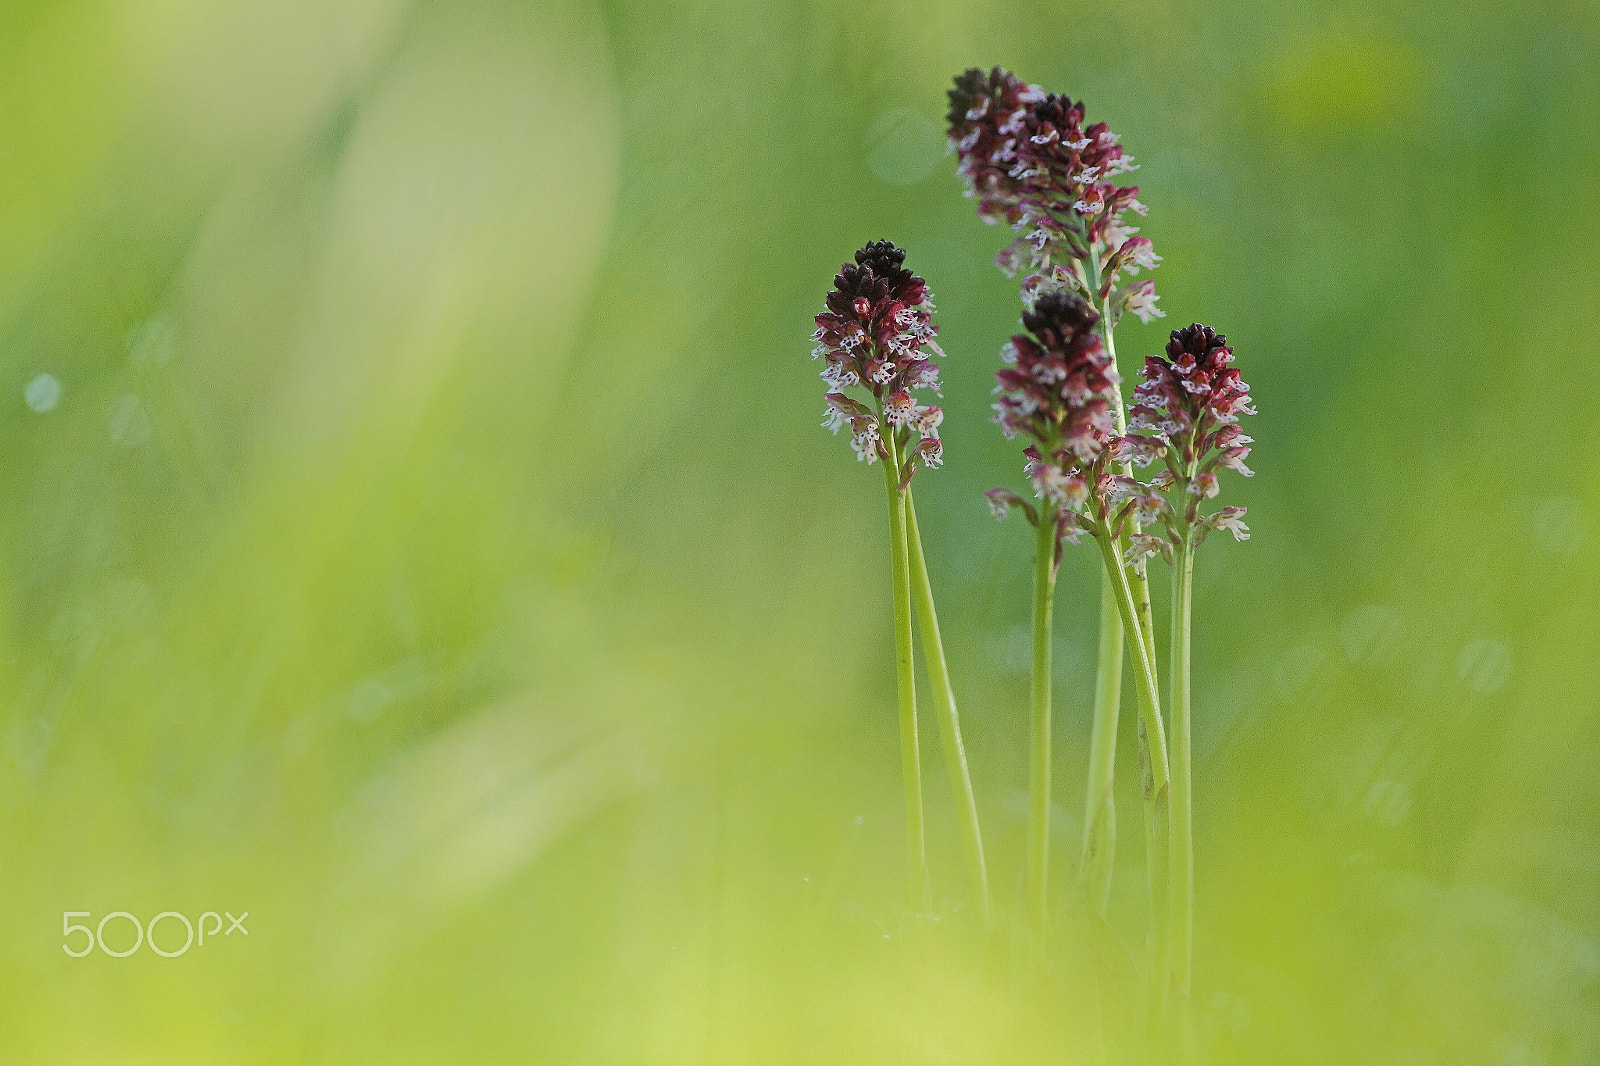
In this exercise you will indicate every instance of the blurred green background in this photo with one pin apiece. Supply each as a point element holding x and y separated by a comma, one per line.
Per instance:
<point>418,533</point>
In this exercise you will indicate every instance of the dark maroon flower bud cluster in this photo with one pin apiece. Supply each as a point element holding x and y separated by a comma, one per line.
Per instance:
<point>1058,387</point>
<point>1185,415</point>
<point>986,113</point>
<point>1057,382</point>
<point>1068,167</point>
<point>1189,392</point>
<point>1031,160</point>
<point>872,336</point>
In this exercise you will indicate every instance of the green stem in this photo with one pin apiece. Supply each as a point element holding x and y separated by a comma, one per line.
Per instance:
<point>1138,582</point>
<point>1100,810</point>
<point>1180,891</point>
<point>1133,594</point>
<point>917,887</point>
<point>1044,586</point>
<point>1152,735</point>
<point>1144,668</point>
<point>944,700</point>
<point>1099,841</point>
<point>1153,766</point>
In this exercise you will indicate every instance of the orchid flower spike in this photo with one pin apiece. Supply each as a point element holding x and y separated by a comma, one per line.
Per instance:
<point>874,338</point>
<point>1031,159</point>
<point>1057,389</point>
<point>1185,415</point>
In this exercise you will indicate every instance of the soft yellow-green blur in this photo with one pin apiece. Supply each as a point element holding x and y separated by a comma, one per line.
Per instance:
<point>417,533</point>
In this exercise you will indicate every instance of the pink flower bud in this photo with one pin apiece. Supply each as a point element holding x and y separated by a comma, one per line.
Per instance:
<point>1138,254</point>
<point>1137,450</point>
<point>865,441</point>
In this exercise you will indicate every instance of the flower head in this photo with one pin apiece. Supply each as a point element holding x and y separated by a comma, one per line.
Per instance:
<point>1071,162</point>
<point>1033,160</point>
<point>1191,393</point>
<point>986,112</point>
<point>1056,388</point>
<point>1058,383</point>
<point>879,311</point>
<point>875,334</point>
<point>1186,411</point>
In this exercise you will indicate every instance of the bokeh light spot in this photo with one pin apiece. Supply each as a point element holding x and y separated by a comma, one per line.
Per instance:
<point>1484,666</point>
<point>1371,635</point>
<point>1014,648</point>
<point>42,393</point>
<point>129,424</point>
<point>150,343</point>
<point>1387,802</point>
<point>1298,671</point>
<point>903,147</point>
<point>1559,525</point>
<point>1228,1012</point>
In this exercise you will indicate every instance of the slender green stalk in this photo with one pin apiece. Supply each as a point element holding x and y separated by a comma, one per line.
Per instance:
<point>1144,670</point>
<point>944,701</point>
<point>1044,588</point>
<point>1099,821</point>
<point>1138,583</point>
<point>1133,593</point>
<point>1153,761</point>
<point>917,887</point>
<point>1180,892</point>
<point>1153,766</point>
<point>1100,809</point>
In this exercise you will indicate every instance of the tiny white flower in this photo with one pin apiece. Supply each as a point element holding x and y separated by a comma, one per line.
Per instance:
<point>839,377</point>
<point>864,440</point>
<point>1228,519</point>
<point>900,409</point>
<point>1141,300</point>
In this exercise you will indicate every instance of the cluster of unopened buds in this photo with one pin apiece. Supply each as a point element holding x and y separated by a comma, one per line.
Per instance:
<point>872,336</point>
